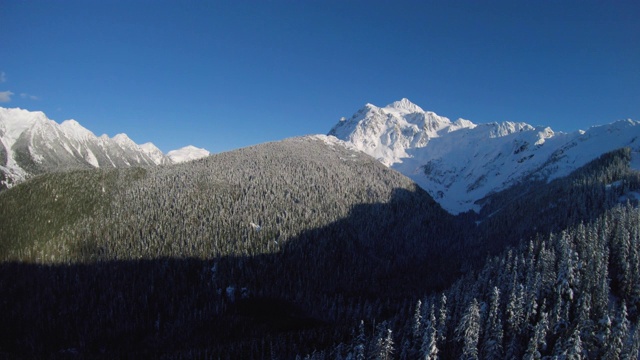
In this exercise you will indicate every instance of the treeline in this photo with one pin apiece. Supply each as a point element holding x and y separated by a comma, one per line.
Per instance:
<point>535,207</point>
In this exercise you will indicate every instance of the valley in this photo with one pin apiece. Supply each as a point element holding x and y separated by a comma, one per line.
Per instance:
<point>311,248</point>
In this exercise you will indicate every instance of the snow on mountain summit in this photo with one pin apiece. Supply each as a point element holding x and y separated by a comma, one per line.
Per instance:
<point>404,105</point>
<point>155,154</point>
<point>187,153</point>
<point>387,133</point>
<point>31,143</point>
<point>460,162</point>
<point>73,129</point>
<point>123,140</point>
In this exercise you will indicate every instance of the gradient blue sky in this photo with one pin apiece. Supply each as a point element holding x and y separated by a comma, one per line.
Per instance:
<point>227,74</point>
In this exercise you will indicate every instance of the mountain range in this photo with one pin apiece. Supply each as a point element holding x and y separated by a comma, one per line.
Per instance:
<point>460,163</point>
<point>310,248</point>
<point>31,143</point>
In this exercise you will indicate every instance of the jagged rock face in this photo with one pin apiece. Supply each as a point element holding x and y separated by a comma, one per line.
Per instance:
<point>460,162</point>
<point>31,144</point>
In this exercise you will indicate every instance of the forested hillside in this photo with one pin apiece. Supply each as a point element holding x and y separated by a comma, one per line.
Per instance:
<point>566,284</point>
<point>537,207</point>
<point>216,252</point>
<point>572,295</point>
<point>305,248</point>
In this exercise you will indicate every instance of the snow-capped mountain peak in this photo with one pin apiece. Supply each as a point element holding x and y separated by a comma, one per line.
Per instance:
<point>404,106</point>
<point>508,127</point>
<point>73,129</point>
<point>387,133</point>
<point>150,148</point>
<point>124,140</point>
<point>30,144</point>
<point>461,124</point>
<point>158,157</point>
<point>460,162</point>
<point>13,122</point>
<point>187,153</point>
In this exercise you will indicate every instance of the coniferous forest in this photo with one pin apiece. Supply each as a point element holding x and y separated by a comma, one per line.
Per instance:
<point>301,249</point>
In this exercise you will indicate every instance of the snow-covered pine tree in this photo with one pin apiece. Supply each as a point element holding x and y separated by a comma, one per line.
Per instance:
<point>429,349</point>
<point>617,341</point>
<point>537,343</point>
<point>493,332</point>
<point>468,331</point>
<point>515,319</point>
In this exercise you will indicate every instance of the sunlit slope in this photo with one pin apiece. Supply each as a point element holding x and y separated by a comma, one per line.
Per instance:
<point>245,202</point>
<point>39,219</point>
<point>152,261</point>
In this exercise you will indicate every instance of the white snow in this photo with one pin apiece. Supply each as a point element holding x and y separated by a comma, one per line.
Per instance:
<point>92,159</point>
<point>333,141</point>
<point>66,147</point>
<point>123,140</point>
<point>255,226</point>
<point>459,163</point>
<point>187,153</point>
<point>74,130</point>
<point>403,107</point>
<point>45,139</point>
<point>154,153</point>
<point>387,133</point>
<point>14,122</point>
<point>615,184</point>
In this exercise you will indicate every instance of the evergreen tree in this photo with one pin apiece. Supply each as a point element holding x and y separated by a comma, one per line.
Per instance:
<point>429,349</point>
<point>387,346</point>
<point>604,333</point>
<point>587,326</point>
<point>567,280</point>
<point>515,319</point>
<point>360,345</point>
<point>493,333</point>
<point>443,316</point>
<point>633,352</point>
<point>573,349</point>
<point>537,343</point>
<point>468,331</point>
<point>616,344</point>
<point>417,321</point>
<point>384,343</point>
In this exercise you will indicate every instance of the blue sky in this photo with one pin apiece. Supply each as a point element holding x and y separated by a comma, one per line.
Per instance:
<point>227,74</point>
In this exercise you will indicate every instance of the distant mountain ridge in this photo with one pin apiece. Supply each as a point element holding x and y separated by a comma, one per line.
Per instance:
<point>187,153</point>
<point>31,143</point>
<point>459,162</point>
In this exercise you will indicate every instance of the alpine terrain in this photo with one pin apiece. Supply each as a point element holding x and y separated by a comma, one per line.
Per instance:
<point>31,144</point>
<point>459,163</point>
<point>401,235</point>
